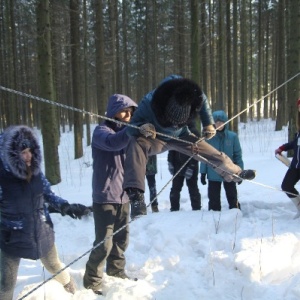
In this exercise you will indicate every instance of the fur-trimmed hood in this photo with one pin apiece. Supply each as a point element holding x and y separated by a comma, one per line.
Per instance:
<point>184,91</point>
<point>12,142</point>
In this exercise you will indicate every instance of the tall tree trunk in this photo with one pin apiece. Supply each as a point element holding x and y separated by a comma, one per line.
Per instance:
<point>293,64</point>
<point>48,112</point>
<point>244,60</point>
<point>280,67</point>
<point>235,90</point>
<point>229,64</point>
<point>76,76</point>
<point>195,41</point>
<point>100,70</point>
<point>87,99</point>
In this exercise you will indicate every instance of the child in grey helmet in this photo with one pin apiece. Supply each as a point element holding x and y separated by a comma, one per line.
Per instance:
<point>167,110</point>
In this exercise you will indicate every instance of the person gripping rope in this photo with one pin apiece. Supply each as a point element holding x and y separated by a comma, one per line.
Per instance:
<point>292,175</point>
<point>228,142</point>
<point>110,203</point>
<point>167,110</point>
<point>26,226</point>
<point>188,173</point>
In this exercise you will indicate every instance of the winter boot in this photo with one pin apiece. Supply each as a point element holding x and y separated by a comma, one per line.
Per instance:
<point>153,195</point>
<point>296,201</point>
<point>71,286</point>
<point>247,174</point>
<point>154,208</point>
<point>137,202</point>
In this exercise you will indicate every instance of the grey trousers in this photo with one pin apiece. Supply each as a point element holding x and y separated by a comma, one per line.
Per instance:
<point>139,148</point>
<point>9,266</point>
<point>108,218</point>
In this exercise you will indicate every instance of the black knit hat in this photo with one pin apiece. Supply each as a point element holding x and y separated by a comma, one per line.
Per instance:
<point>177,113</point>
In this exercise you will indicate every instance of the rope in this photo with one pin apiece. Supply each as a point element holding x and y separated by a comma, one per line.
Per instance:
<point>158,133</point>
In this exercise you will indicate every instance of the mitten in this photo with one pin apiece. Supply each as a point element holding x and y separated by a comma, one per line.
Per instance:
<point>75,211</point>
<point>188,173</point>
<point>148,130</point>
<point>209,132</point>
<point>171,168</point>
<point>203,180</point>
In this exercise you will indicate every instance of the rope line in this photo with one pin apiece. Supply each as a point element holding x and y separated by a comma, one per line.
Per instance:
<point>158,133</point>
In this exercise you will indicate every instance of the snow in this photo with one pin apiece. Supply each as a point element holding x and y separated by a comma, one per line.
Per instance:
<point>249,254</point>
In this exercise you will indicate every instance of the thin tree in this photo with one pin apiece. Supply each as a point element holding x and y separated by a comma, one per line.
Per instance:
<point>76,76</point>
<point>48,112</point>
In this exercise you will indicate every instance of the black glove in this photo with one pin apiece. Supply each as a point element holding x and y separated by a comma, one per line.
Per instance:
<point>203,180</point>
<point>188,173</point>
<point>239,182</point>
<point>137,202</point>
<point>171,168</point>
<point>75,211</point>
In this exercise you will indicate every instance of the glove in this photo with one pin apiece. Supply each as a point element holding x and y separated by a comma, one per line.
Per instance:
<point>209,132</point>
<point>171,168</point>
<point>279,150</point>
<point>75,211</point>
<point>148,130</point>
<point>239,182</point>
<point>203,180</point>
<point>188,173</point>
<point>137,202</point>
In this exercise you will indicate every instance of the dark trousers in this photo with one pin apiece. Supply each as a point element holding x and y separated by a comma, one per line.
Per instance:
<point>192,185</point>
<point>214,195</point>
<point>290,179</point>
<point>108,218</point>
<point>152,189</point>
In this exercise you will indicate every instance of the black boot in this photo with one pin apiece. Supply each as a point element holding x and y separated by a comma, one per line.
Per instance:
<point>137,202</point>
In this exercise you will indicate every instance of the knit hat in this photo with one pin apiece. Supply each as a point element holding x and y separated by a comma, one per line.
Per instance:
<point>177,113</point>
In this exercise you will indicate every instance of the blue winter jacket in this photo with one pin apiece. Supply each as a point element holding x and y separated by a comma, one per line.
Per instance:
<point>226,141</point>
<point>294,145</point>
<point>144,114</point>
<point>25,224</point>
<point>109,143</point>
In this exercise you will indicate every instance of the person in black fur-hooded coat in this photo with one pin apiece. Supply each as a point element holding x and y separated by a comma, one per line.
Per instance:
<point>26,229</point>
<point>165,113</point>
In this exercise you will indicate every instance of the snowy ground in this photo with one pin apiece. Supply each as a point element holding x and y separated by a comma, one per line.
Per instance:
<point>249,254</point>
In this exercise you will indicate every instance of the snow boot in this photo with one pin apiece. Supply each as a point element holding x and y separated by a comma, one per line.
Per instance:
<point>137,202</point>
<point>154,208</point>
<point>296,201</point>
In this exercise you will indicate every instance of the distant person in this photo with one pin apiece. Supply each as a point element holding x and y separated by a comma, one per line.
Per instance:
<point>189,173</point>
<point>292,175</point>
<point>167,110</point>
<point>228,142</point>
<point>25,223</point>
<point>151,171</point>
<point>110,203</point>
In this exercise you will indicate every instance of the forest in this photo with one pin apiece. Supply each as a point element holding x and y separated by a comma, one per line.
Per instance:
<point>60,60</point>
